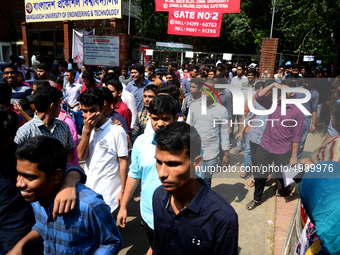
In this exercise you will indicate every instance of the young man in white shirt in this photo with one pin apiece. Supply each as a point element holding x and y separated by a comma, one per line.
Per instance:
<point>104,147</point>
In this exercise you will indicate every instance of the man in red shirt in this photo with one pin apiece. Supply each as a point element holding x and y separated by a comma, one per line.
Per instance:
<point>88,81</point>
<point>115,86</point>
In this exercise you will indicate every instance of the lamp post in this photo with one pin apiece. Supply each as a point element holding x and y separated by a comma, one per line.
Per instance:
<point>271,29</point>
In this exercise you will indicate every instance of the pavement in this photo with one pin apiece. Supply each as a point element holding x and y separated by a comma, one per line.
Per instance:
<point>261,231</point>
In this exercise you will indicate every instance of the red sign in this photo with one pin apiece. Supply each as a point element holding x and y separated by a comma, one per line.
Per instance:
<point>195,23</point>
<point>224,6</point>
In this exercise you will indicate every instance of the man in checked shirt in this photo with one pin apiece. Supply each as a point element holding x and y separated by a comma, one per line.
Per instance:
<point>88,229</point>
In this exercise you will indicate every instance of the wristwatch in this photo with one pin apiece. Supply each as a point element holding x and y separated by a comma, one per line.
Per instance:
<point>227,154</point>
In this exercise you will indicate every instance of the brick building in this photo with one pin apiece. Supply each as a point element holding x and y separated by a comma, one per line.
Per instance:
<point>53,40</point>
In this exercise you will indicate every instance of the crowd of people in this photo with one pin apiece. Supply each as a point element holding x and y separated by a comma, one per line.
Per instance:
<point>143,124</point>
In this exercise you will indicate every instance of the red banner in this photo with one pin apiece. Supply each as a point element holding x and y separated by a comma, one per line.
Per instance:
<point>195,23</point>
<point>224,6</point>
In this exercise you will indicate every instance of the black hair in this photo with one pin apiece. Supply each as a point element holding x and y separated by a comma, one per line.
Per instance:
<point>44,67</point>
<point>172,90</point>
<point>259,84</point>
<point>151,68</point>
<point>292,83</point>
<point>41,83</point>
<point>86,67</point>
<point>174,65</point>
<point>43,97</point>
<point>116,70</point>
<point>173,82</point>
<point>161,73</point>
<point>9,65</point>
<point>92,96</point>
<point>222,75</point>
<point>268,82</point>
<point>63,63</point>
<point>156,63</point>
<point>151,87</point>
<point>139,68</point>
<point>72,72</point>
<point>47,152</point>
<point>171,73</point>
<point>106,68</point>
<point>109,76</point>
<point>212,70</point>
<point>202,74</point>
<point>74,65</point>
<point>107,95</point>
<point>193,67</point>
<point>90,77</point>
<point>199,82</point>
<point>163,104</point>
<point>115,83</point>
<point>288,66</point>
<point>295,66</point>
<point>5,93</point>
<point>241,65</point>
<point>125,68</point>
<point>282,66</point>
<point>178,136</point>
<point>251,70</point>
<point>70,60</point>
<point>9,124</point>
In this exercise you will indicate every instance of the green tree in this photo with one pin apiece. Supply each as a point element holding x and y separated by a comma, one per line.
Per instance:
<point>309,27</point>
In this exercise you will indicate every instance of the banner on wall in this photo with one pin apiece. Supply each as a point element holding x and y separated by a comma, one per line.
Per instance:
<point>143,53</point>
<point>78,45</point>
<point>223,6</point>
<point>195,23</point>
<point>101,50</point>
<point>59,10</point>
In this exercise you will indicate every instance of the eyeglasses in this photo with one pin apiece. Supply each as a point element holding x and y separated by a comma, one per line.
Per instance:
<point>8,73</point>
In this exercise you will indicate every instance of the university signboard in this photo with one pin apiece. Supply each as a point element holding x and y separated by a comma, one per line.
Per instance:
<point>196,17</point>
<point>59,10</point>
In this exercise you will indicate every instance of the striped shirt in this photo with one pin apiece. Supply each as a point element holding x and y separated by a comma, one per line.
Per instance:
<point>59,130</point>
<point>88,229</point>
<point>23,95</point>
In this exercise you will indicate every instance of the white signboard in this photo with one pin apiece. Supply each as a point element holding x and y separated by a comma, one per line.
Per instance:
<point>227,56</point>
<point>101,50</point>
<point>148,52</point>
<point>189,54</point>
<point>308,58</point>
<point>319,62</point>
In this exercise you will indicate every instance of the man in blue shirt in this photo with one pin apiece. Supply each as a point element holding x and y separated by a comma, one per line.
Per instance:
<point>17,217</point>
<point>136,86</point>
<point>89,229</point>
<point>189,218</point>
<point>193,71</point>
<point>162,111</point>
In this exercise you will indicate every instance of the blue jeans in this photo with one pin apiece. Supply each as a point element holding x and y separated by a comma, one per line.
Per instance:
<point>303,140</point>
<point>204,173</point>
<point>247,155</point>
